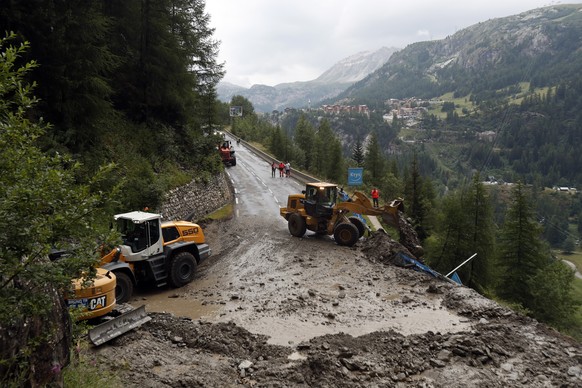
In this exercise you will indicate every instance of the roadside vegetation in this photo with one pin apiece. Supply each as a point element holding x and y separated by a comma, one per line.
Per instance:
<point>103,114</point>
<point>223,213</point>
<point>83,139</point>
<point>84,371</point>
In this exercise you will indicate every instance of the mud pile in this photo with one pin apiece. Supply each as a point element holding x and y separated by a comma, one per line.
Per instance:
<point>380,247</point>
<point>500,349</point>
<point>174,352</point>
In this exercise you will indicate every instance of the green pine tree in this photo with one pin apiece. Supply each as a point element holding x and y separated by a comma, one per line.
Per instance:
<point>481,236</point>
<point>450,247</point>
<point>336,171</point>
<point>552,300</point>
<point>305,140</point>
<point>374,161</point>
<point>522,253</point>
<point>358,153</point>
<point>419,196</point>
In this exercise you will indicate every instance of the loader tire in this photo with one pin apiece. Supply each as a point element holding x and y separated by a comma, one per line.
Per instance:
<point>359,224</point>
<point>123,288</point>
<point>297,225</point>
<point>233,162</point>
<point>346,234</point>
<point>182,269</point>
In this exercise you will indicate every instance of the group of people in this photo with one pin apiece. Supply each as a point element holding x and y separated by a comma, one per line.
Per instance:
<point>284,169</point>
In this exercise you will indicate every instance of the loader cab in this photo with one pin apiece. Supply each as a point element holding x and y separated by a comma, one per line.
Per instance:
<point>320,199</point>
<point>141,234</point>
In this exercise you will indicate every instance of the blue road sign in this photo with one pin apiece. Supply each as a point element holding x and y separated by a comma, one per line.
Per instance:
<point>355,176</point>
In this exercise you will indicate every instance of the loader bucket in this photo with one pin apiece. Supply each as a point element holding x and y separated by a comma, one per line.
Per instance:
<point>118,326</point>
<point>390,217</point>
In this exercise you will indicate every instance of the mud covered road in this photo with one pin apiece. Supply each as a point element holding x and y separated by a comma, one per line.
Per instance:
<point>268,309</point>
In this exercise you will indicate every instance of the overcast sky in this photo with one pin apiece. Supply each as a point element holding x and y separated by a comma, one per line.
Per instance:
<point>274,41</point>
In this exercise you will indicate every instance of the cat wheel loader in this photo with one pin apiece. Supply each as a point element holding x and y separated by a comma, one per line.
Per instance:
<point>151,252</point>
<point>317,209</point>
<point>96,301</point>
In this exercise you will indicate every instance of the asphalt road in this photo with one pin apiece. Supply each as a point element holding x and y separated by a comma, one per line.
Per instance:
<point>256,191</point>
<point>293,289</point>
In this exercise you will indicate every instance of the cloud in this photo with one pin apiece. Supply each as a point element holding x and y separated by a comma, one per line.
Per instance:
<point>270,42</point>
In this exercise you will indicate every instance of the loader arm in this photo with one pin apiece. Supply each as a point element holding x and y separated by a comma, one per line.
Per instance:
<point>390,214</point>
<point>361,204</point>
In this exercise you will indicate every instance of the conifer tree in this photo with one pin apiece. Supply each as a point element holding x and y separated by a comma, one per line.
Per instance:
<point>481,236</point>
<point>522,253</point>
<point>466,227</point>
<point>416,199</point>
<point>336,169</point>
<point>305,139</point>
<point>277,142</point>
<point>450,246</point>
<point>326,140</point>
<point>552,299</point>
<point>358,153</point>
<point>374,161</point>
<point>70,41</point>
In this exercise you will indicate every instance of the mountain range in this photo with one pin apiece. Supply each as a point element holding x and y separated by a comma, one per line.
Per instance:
<point>502,97</point>
<point>541,47</point>
<point>302,94</point>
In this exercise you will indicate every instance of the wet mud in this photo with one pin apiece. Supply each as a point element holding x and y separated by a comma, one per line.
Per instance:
<point>269,309</point>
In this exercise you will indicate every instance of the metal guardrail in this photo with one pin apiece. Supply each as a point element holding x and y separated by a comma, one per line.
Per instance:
<point>296,174</point>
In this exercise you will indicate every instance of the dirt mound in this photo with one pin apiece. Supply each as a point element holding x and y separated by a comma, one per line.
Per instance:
<point>172,352</point>
<point>380,247</point>
<point>499,349</point>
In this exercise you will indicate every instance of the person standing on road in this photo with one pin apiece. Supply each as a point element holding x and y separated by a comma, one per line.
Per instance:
<point>287,169</point>
<point>281,168</point>
<point>375,196</point>
<point>273,168</point>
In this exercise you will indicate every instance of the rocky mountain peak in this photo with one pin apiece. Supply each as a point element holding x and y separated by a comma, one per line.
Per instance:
<point>355,67</point>
<point>298,94</point>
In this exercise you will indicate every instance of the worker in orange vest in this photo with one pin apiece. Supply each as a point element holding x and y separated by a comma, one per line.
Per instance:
<point>375,195</point>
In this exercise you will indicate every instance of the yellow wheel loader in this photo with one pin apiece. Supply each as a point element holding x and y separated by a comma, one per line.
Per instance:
<point>154,252</point>
<point>151,252</point>
<point>96,301</point>
<point>318,209</point>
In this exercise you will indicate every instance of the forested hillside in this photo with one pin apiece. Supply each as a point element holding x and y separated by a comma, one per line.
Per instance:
<point>104,106</point>
<point>131,82</point>
<point>500,97</point>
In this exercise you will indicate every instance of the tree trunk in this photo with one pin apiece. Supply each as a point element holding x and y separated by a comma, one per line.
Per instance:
<point>37,348</point>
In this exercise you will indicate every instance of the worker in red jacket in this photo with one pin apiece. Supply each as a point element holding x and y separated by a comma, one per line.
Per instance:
<point>375,195</point>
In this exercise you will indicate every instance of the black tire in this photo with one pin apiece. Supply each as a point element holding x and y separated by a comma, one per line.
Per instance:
<point>346,234</point>
<point>233,161</point>
<point>182,269</point>
<point>123,288</point>
<point>297,225</point>
<point>359,224</point>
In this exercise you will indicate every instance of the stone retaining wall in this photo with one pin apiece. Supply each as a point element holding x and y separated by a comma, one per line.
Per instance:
<point>192,202</point>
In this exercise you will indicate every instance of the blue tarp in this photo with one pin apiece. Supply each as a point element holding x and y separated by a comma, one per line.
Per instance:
<point>455,277</point>
<point>418,266</point>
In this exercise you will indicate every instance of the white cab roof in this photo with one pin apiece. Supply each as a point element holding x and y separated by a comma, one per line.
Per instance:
<point>138,217</point>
